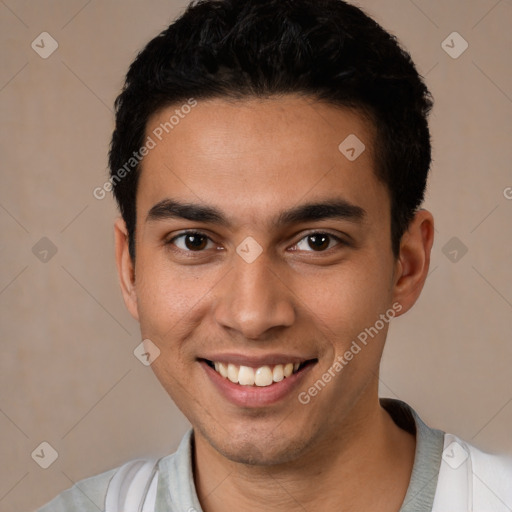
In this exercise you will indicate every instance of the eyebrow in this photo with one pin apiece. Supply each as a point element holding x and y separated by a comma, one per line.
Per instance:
<point>315,211</point>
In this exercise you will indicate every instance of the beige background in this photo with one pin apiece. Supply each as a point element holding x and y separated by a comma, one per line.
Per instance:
<point>68,374</point>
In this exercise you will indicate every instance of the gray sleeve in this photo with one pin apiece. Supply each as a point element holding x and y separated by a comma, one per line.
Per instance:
<point>85,496</point>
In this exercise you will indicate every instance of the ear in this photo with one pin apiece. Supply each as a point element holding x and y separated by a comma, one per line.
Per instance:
<point>414,260</point>
<point>125,268</point>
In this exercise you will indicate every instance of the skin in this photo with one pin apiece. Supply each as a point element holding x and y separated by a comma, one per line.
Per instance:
<point>252,159</point>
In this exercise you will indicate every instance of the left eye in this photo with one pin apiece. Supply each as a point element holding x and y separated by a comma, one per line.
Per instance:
<point>191,242</point>
<point>317,242</point>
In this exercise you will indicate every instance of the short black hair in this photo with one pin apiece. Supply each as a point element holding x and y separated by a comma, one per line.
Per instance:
<point>327,50</point>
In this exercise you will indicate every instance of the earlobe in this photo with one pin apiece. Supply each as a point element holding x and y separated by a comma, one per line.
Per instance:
<point>125,268</point>
<point>414,259</point>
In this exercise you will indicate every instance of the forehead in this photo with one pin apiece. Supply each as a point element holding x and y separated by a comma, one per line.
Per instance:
<point>256,156</point>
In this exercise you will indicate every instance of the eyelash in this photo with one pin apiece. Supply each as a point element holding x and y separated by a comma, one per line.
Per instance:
<point>170,242</point>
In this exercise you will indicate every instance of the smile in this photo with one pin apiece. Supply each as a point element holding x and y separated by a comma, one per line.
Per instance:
<point>261,376</point>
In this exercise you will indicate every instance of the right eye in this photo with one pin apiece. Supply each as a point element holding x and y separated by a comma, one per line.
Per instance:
<point>191,241</point>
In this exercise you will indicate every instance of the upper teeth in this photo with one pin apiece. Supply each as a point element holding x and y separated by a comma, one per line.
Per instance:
<point>262,376</point>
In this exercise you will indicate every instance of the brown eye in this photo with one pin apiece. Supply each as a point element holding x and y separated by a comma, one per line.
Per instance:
<point>318,242</point>
<point>195,242</point>
<point>190,242</point>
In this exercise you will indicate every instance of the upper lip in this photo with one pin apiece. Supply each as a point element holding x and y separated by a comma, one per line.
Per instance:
<point>256,361</point>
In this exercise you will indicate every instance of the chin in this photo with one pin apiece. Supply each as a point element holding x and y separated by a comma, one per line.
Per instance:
<point>258,447</point>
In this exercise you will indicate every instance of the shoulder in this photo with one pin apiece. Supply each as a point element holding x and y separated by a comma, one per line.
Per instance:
<point>492,478</point>
<point>109,491</point>
<point>473,478</point>
<point>87,495</point>
<point>132,483</point>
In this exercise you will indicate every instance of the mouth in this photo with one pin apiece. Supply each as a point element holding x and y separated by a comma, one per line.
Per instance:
<point>262,376</point>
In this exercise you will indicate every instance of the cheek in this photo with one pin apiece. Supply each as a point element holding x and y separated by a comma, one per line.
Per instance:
<point>169,298</point>
<point>348,302</point>
<point>351,295</point>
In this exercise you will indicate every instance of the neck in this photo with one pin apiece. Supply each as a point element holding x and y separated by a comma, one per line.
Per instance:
<point>363,465</point>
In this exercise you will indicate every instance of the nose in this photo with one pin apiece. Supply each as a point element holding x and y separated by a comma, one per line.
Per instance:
<point>253,300</point>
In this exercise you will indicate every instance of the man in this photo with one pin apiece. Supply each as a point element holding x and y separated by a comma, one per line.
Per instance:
<point>269,161</point>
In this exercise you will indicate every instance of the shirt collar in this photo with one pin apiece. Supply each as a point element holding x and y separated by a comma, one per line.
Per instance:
<point>176,489</point>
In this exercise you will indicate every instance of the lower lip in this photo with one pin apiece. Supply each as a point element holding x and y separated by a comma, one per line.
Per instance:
<point>256,396</point>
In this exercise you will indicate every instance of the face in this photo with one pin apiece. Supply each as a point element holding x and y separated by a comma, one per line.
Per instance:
<point>261,247</point>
